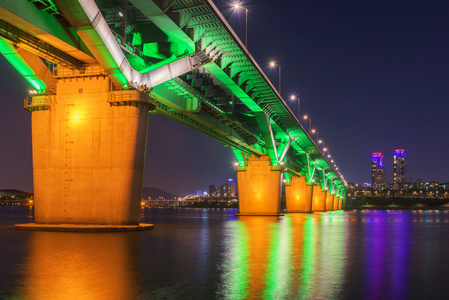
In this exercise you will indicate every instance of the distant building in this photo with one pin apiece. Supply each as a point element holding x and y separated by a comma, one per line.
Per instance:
<point>377,171</point>
<point>231,188</point>
<point>399,167</point>
<point>212,190</point>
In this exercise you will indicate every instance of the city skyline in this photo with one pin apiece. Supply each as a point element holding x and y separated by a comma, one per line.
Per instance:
<point>352,77</point>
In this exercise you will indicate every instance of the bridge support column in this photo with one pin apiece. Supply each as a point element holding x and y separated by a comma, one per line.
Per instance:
<point>329,201</point>
<point>319,199</point>
<point>298,195</point>
<point>89,153</point>
<point>340,200</point>
<point>259,187</point>
<point>335,201</point>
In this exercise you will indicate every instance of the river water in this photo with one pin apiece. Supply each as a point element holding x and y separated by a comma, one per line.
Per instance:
<point>210,254</point>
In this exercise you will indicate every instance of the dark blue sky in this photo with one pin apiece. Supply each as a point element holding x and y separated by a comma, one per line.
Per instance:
<point>371,74</point>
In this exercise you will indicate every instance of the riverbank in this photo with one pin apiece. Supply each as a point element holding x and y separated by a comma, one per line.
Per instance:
<point>392,203</point>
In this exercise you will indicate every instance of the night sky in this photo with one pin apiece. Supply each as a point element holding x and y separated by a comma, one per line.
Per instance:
<point>371,74</point>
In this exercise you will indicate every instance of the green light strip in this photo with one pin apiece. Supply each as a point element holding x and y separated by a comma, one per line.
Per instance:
<point>10,53</point>
<point>288,178</point>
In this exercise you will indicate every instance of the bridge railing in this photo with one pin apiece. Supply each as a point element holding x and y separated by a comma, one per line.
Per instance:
<point>128,96</point>
<point>41,102</point>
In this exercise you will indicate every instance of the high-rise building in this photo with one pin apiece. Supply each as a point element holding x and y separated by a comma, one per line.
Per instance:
<point>377,170</point>
<point>399,166</point>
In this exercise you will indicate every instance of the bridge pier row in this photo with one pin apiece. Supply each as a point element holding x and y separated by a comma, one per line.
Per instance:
<point>329,201</point>
<point>89,154</point>
<point>259,188</point>
<point>319,199</point>
<point>298,195</point>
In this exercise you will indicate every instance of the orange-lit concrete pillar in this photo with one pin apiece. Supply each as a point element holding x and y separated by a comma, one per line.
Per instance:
<point>89,152</point>
<point>340,202</point>
<point>319,199</point>
<point>329,201</point>
<point>259,187</point>
<point>335,202</point>
<point>298,195</point>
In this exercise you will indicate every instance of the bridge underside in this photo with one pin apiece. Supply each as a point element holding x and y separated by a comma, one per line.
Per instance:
<point>99,67</point>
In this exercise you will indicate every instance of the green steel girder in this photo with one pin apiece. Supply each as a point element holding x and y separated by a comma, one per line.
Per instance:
<point>200,123</point>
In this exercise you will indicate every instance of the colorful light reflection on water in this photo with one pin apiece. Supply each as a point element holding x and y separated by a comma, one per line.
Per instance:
<point>206,254</point>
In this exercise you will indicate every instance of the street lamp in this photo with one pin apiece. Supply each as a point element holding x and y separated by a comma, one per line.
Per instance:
<point>314,131</point>
<point>273,65</point>
<point>310,122</point>
<point>321,142</point>
<point>237,6</point>
<point>293,98</point>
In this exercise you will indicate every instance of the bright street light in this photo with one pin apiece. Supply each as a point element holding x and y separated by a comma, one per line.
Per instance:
<point>306,117</point>
<point>237,6</point>
<point>314,131</point>
<point>273,65</point>
<point>293,98</point>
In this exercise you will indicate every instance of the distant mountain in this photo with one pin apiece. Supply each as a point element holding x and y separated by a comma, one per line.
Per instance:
<point>155,193</point>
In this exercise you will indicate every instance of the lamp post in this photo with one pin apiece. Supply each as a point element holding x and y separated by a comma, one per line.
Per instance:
<point>239,7</point>
<point>315,131</point>
<point>293,98</point>
<point>321,142</point>
<point>273,64</point>
<point>306,117</point>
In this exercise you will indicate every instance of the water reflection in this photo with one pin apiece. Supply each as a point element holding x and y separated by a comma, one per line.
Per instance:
<point>283,258</point>
<point>79,266</point>
<point>208,254</point>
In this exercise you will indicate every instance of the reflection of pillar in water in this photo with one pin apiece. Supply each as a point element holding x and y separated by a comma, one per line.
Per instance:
<point>297,255</point>
<point>331,254</point>
<point>245,267</point>
<point>260,233</point>
<point>80,266</point>
<point>235,267</point>
<point>309,259</point>
<point>279,272</point>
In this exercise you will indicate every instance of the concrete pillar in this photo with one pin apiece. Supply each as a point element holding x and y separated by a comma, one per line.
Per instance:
<point>335,205</point>
<point>340,202</point>
<point>319,199</point>
<point>298,195</point>
<point>89,153</point>
<point>329,204</point>
<point>259,187</point>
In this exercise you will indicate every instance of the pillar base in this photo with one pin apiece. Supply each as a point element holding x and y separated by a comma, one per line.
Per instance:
<point>83,228</point>
<point>299,212</point>
<point>258,215</point>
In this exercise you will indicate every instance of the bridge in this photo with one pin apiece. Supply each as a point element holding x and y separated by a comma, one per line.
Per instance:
<point>97,67</point>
